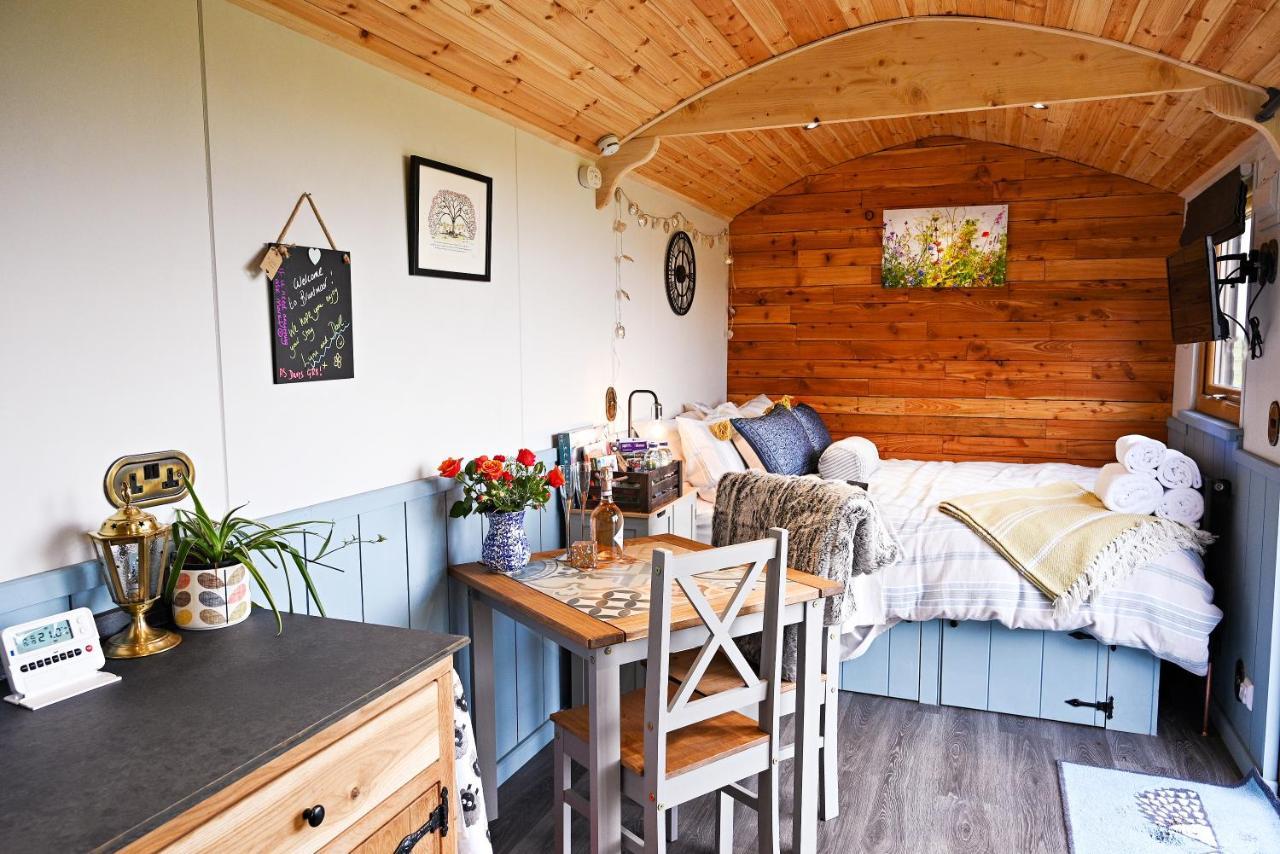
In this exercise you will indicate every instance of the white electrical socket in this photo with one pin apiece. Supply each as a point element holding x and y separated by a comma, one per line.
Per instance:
<point>1245,693</point>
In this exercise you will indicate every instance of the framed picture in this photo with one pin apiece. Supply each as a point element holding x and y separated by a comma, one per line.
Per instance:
<point>963,247</point>
<point>450,221</point>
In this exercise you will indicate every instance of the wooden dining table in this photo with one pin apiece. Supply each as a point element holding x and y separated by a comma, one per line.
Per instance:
<point>601,615</point>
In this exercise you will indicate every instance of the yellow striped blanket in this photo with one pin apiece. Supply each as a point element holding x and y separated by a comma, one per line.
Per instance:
<point>1063,540</point>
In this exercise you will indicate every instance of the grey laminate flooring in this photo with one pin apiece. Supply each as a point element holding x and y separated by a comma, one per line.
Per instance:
<point>919,779</point>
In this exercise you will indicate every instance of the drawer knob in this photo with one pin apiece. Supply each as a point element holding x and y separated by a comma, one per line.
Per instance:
<point>314,816</point>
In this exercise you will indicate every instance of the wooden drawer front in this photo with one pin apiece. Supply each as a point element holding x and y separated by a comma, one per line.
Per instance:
<point>385,839</point>
<point>349,778</point>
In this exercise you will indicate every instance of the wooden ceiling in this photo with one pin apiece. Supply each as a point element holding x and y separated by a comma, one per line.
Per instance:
<point>574,70</point>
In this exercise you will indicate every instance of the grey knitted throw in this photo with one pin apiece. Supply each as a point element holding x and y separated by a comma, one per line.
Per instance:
<point>834,531</point>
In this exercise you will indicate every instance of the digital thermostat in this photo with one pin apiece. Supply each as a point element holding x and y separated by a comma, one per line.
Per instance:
<point>53,658</point>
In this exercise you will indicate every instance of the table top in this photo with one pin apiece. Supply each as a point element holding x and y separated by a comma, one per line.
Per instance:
<point>609,605</point>
<point>102,769</point>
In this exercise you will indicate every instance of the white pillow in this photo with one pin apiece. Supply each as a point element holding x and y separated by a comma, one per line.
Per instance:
<point>707,459</point>
<point>851,458</point>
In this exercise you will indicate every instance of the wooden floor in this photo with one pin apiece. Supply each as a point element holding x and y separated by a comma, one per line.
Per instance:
<point>920,779</point>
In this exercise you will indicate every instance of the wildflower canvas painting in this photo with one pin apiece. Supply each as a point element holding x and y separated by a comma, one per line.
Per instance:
<point>946,247</point>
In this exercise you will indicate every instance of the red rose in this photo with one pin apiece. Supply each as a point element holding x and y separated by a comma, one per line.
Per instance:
<point>555,478</point>
<point>526,457</point>
<point>450,467</point>
<point>480,460</point>
<point>500,458</point>
<point>507,477</point>
<point>491,469</point>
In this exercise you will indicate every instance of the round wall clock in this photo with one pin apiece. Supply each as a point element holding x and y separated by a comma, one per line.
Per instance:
<point>681,273</point>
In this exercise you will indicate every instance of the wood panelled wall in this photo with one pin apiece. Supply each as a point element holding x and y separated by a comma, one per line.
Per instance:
<point>1074,353</point>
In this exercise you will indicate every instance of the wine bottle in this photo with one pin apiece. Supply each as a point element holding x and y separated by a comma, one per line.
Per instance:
<point>606,522</point>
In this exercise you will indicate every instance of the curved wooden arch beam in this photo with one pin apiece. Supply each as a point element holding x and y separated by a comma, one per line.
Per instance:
<point>630,155</point>
<point>1241,105</point>
<point>940,64</point>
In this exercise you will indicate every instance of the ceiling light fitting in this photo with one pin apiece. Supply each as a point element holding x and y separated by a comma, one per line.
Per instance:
<point>1039,105</point>
<point>813,124</point>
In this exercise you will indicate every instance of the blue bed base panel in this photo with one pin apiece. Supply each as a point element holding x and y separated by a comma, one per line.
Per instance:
<point>984,665</point>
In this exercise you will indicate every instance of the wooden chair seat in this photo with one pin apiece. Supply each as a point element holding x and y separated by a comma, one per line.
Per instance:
<point>687,748</point>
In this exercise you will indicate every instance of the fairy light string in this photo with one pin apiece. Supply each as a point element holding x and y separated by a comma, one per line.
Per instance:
<point>667,224</point>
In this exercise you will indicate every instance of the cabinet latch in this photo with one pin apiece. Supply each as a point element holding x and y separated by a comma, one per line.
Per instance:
<point>437,821</point>
<point>1107,706</point>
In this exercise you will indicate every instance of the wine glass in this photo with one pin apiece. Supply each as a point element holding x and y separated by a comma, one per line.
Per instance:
<point>582,491</point>
<point>568,487</point>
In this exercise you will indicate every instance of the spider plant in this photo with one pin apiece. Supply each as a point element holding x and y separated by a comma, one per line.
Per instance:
<point>206,542</point>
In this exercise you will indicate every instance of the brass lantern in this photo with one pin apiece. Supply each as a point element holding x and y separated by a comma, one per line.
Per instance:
<point>134,550</point>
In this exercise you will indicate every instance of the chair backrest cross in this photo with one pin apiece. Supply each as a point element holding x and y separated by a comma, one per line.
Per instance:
<point>668,707</point>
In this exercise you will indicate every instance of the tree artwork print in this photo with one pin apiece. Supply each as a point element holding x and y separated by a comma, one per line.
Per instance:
<point>965,247</point>
<point>452,218</point>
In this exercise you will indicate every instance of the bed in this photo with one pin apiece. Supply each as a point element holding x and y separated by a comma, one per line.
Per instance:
<point>954,623</point>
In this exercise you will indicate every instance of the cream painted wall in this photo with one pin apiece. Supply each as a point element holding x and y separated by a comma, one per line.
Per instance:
<point>104,224</point>
<point>117,160</point>
<point>1261,376</point>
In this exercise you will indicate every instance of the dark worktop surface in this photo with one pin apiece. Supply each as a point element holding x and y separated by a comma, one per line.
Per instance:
<point>102,769</point>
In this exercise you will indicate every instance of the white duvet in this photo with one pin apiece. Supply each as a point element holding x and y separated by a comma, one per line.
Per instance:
<point>948,572</point>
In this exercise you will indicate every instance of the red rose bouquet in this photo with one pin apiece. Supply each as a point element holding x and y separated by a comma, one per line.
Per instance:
<point>500,485</point>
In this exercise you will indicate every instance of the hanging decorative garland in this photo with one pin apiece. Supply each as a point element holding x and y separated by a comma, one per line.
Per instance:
<point>677,222</point>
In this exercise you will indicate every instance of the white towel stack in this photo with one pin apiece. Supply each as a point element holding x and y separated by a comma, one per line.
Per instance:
<point>1149,477</point>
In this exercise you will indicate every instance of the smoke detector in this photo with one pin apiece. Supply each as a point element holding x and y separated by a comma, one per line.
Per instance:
<point>608,144</point>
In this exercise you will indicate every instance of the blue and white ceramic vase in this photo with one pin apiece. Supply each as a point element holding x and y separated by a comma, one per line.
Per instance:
<point>505,547</point>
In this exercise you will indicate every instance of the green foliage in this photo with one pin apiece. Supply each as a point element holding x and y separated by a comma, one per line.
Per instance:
<point>498,485</point>
<point>201,540</point>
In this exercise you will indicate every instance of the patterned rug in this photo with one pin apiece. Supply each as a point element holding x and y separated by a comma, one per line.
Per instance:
<point>1108,811</point>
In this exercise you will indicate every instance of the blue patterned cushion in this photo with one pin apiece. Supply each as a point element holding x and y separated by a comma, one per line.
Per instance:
<point>814,428</point>
<point>780,441</point>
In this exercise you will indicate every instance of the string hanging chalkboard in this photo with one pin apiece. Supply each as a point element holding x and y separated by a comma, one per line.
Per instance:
<point>310,294</point>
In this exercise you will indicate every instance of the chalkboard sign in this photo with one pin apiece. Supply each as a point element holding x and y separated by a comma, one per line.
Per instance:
<point>311,316</point>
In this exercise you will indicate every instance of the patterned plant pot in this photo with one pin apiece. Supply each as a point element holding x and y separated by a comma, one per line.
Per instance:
<point>505,547</point>
<point>211,598</point>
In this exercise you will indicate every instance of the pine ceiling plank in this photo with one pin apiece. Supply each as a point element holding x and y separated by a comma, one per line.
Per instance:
<point>1167,26</point>
<point>1251,55</point>
<point>1122,18</point>
<point>766,20</point>
<point>509,26</point>
<point>1240,18</point>
<point>1090,16</point>
<point>746,41</point>
<point>441,24</point>
<point>1058,13</point>
<point>684,79</point>
<point>1211,11</point>
<point>703,36</point>
<point>577,37</point>
<point>1029,11</point>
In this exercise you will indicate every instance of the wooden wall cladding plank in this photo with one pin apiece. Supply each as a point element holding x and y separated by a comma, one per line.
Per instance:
<point>1074,353</point>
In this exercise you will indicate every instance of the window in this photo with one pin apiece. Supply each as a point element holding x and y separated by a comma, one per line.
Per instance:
<point>1222,368</point>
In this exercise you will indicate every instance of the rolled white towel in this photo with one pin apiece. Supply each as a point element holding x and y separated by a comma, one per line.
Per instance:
<point>1127,492</point>
<point>1140,454</point>
<point>1177,470</point>
<point>1183,504</point>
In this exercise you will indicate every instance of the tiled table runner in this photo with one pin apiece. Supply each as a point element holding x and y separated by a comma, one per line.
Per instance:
<point>618,592</point>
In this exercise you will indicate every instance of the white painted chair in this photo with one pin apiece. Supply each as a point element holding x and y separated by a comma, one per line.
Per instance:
<point>678,741</point>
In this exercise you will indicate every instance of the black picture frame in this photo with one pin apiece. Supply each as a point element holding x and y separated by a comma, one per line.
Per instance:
<point>417,165</point>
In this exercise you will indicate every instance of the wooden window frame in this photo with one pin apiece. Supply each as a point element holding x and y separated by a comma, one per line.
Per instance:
<point>1220,401</point>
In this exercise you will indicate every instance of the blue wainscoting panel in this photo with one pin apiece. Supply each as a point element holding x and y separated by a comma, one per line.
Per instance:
<point>1073,664</point>
<point>427,551</point>
<point>338,579</point>
<point>869,672</point>
<point>1133,678</point>
<point>904,661</point>
<point>1016,658</point>
<point>966,663</point>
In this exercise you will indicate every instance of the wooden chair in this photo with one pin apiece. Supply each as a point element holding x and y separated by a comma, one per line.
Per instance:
<point>678,742</point>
